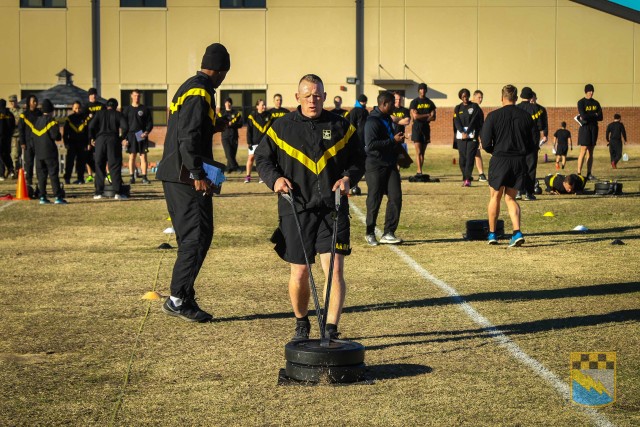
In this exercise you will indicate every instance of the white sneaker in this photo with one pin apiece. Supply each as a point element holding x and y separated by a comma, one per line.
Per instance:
<point>97,197</point>
<point>390,239</point>
<point>120,197</point>
<point>261,181</point>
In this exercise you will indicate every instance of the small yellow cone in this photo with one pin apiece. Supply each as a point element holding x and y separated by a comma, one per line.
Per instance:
<point>168,218</point>
<point>548,214</point>
<point>152,295</point>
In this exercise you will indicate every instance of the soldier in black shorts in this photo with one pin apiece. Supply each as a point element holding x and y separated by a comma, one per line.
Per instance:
<point>423,112</point>
<point>509,134</point>
<point>561,141</point>
<point>140,123</point>
<point>314,152</point>
<point>615,133</point>
<point>589,114</point>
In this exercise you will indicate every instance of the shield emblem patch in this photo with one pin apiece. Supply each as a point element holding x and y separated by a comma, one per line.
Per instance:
<point>593,378</point>
<point>326,134</point>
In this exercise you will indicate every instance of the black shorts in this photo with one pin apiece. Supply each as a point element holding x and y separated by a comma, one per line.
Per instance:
<point>588,135</point>
<point>317,231</point>
<point>562,149</point>
<point>507,172</point>
<point>136,146</point>
<point>421,133</point>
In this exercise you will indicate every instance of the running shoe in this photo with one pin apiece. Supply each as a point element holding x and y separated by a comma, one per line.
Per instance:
<point>390,239</point>
<point>516,240</point>
<point>89,179</point>
<point>303,327</point>
<point>492,239</point>
<point>188,311</point>
<point>247,179</point>
<point>466,183</point>
<point>371,239</point>
<point>60,201</point>
<point>44,201</point>
<point>482,178</point>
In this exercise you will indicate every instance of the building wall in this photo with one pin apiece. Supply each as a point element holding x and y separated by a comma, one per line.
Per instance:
<point>554,46</point>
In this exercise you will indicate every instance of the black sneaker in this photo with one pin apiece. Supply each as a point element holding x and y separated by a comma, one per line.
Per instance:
<point>591,178</point>
<point>529,197</point>
<point>145,180</point>
<point>188,311</point>
<point>132,180</point>
<point>482,178</point>
<point>331,331</point>
<point>302,330</point>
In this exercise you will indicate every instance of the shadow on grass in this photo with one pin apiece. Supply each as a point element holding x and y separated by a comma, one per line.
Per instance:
<point>393,371</point>
<point>512,329</point>
<point>517,295</point>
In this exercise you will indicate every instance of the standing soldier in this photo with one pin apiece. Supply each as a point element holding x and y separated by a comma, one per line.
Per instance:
<point>7,125</point>
<point>257,126</point>
<point>230,134</point>
<point>337,102</point>
<point>16,150</point>
<point>140,124</point>
<point>76,140</point>
<point>90,111</point>
<point>192,123</point>
<point>277,111</point>
<point>107,130</point>
<point>400,116</point>
<point>478,96</point>
<point>27,119</point>
<point>615,133</point>
<point>528,186</point>
<point>589,114</point>
<point>46,132</point>
<point>423,112</point>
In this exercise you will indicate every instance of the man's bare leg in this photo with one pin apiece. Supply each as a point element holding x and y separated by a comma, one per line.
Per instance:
<point>583,151</point>
<point>512,206</point>
<point>493,209</point>
<point>132,165</point>
<point>338,286</point>
<point>143,163</point>
<point>299,290</point>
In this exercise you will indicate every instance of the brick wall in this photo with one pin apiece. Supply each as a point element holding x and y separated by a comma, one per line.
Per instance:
<point>442,128</point>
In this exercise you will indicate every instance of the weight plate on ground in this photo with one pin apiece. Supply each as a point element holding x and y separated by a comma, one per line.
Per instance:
<point>334,374</point>
<point>311,353</point>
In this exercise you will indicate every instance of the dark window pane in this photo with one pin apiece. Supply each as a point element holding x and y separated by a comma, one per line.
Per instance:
<point>43,3</point>
<point>143,3</point>
<point>231,4</point>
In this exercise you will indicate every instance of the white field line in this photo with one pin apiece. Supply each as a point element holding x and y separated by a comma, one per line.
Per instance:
<point>6,205</point>
<point>538,368</point>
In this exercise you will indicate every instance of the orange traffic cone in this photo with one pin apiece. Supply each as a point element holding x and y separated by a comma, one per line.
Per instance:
<point>21,188</point>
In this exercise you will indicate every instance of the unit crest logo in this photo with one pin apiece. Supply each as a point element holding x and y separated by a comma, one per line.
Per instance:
<point>593,378</point>
<point>326,134</point>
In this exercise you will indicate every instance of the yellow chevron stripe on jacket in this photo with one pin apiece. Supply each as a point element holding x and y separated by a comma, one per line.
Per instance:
<point>27,122</point>
<point>553,178</point>
<point>40,132</point>
<point>315,167</point>
<point>79,128</point>
<point>262,129</point>
<point>6,116</point>
<point>194,92</point>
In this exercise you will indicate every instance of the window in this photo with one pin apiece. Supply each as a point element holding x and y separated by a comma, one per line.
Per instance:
<point>238,4</point>
<point>143,3</point>
<point>43,3</point>
<point>244,99</point>
<point>156,100</point>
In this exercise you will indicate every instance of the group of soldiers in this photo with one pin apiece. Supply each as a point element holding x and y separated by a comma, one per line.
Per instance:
<point>93,136</point>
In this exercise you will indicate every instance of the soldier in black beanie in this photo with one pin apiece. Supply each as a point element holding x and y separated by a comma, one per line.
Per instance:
<point>46,131</point>
<point>189,142</point>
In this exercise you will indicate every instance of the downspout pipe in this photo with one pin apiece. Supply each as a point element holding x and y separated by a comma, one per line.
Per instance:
<point>95,43</point>
<point>359,46</point>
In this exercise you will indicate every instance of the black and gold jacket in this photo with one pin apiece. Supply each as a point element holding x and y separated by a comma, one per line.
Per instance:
<point>257,126</point>
<point>312,154</point>
<point>76,131</point>
<point>25,126</point>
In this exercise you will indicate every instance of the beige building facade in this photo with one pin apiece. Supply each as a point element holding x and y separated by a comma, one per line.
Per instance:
<point>554,46</point>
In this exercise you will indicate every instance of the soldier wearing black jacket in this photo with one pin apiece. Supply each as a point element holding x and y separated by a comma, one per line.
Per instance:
<point>258,123</point>
<point>46,132</point>
<point>467,123</point>
<point>76,140</point>
<point>526,192</point>
<point>7,125</point>
<point>107,131</point>
<point>188,144</point>
<point>90,112</point>
<point>382,170</point>
<point>25,126</point>
<point>309,154</point>
<point>337,103</point>
<point>358,115</point>
<point>561,184</point>
<point>509,134</point>
<point>615,133</point>
<point>230,134</point>
<point>140,123</point>
<point>589,114</point>
<point>277,111</point>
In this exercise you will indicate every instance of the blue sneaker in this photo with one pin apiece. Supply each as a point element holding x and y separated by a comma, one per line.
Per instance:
<point>60,201</point>
<point>493,240</point>
<point>44,201</point>
<point>516,240</point>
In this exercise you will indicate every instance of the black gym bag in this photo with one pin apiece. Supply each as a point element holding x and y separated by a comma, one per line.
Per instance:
<point>606,188</point>
<point>478,229</point>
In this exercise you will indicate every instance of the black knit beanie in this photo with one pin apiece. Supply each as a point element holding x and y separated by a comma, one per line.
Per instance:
<point>47,106</point>
<point>216,58</point>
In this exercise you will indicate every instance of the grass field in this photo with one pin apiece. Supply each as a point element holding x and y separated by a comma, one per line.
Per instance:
<point>80,347</point>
